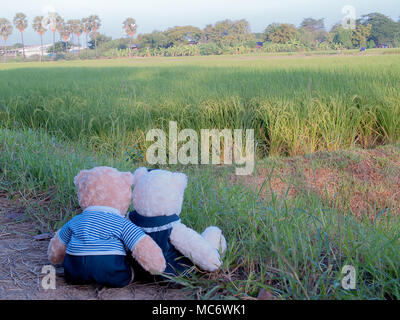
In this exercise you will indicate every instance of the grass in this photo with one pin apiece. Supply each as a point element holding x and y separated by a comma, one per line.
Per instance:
<point>295,105</point>
<point>59,118</point>
<point>293,247</point>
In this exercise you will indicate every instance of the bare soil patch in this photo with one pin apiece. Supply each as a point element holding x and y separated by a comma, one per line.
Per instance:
<point>364,182</point>
<point>22,258</point>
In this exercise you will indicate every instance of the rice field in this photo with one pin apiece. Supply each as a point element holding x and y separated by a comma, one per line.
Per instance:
<point>58,118</point>
<point>295,105</point>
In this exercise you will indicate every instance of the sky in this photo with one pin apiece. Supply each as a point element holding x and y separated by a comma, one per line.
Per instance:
<point>161,14</point>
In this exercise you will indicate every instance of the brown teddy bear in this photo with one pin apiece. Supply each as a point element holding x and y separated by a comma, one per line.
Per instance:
<point>92,245</point>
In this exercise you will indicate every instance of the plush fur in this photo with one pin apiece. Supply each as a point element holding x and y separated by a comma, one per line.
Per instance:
<point>160,193</point>
<point>105,186</point>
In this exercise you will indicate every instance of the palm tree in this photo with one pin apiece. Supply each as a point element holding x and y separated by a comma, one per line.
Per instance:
<point>5,29</point>
<point>95,23</point>
<point>39,27</point>
<point>53,21</point>
<point>70,24</point>
<point>77,29</point>
<point>65,32</point>
<point>60,26</point>
<point>130,26</point>
<point>87,28</point>
<point>21,23</point>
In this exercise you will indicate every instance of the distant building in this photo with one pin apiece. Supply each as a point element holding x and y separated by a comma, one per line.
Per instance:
<point>75,49</point>
<point>134,47</point>
<point>11,52</point>
<point>383,46</point>
<point>192,42</point>
<point>35,50</point>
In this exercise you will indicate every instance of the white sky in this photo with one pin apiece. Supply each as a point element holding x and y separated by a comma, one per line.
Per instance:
<point>160,14</point>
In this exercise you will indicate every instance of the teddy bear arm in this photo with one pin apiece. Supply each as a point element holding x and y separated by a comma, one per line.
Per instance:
<point>149,255</point>
<point>214,235</point>
<point>56,250</point>
<point>193,246</point>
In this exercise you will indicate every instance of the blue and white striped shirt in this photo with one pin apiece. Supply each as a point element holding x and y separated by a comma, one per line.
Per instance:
<point>99,230</point>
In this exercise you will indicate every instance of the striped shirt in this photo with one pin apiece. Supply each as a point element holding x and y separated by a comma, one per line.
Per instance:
<point>99,230</point>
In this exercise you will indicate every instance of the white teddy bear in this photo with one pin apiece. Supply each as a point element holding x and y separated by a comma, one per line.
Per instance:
<point>157,200</point>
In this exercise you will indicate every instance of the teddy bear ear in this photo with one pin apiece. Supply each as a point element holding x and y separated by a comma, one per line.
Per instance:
<point>79,176</point>
<point>139,172</point>
<point>181,180</point>
<point>127,177</point>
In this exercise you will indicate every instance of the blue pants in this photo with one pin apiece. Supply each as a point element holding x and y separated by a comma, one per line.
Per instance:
<point>107,270</point>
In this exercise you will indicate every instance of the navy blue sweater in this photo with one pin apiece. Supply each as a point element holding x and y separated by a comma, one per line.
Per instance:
<point>159,229</point>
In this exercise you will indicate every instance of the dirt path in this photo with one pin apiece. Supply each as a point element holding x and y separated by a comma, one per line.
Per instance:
<point>363,182</point>
<point>22,258</point>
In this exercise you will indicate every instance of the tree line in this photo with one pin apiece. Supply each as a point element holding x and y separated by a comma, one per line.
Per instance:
<point>372,30</point>
<point>53,22</point>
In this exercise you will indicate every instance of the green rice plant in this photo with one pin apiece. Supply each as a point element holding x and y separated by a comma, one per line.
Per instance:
<point>388,117</point>
<point>295,105</point>
<point>337,124</point>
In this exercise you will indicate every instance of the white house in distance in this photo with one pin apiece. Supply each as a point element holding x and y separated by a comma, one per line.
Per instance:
<point>34,50</point>
<point>29,51</point>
